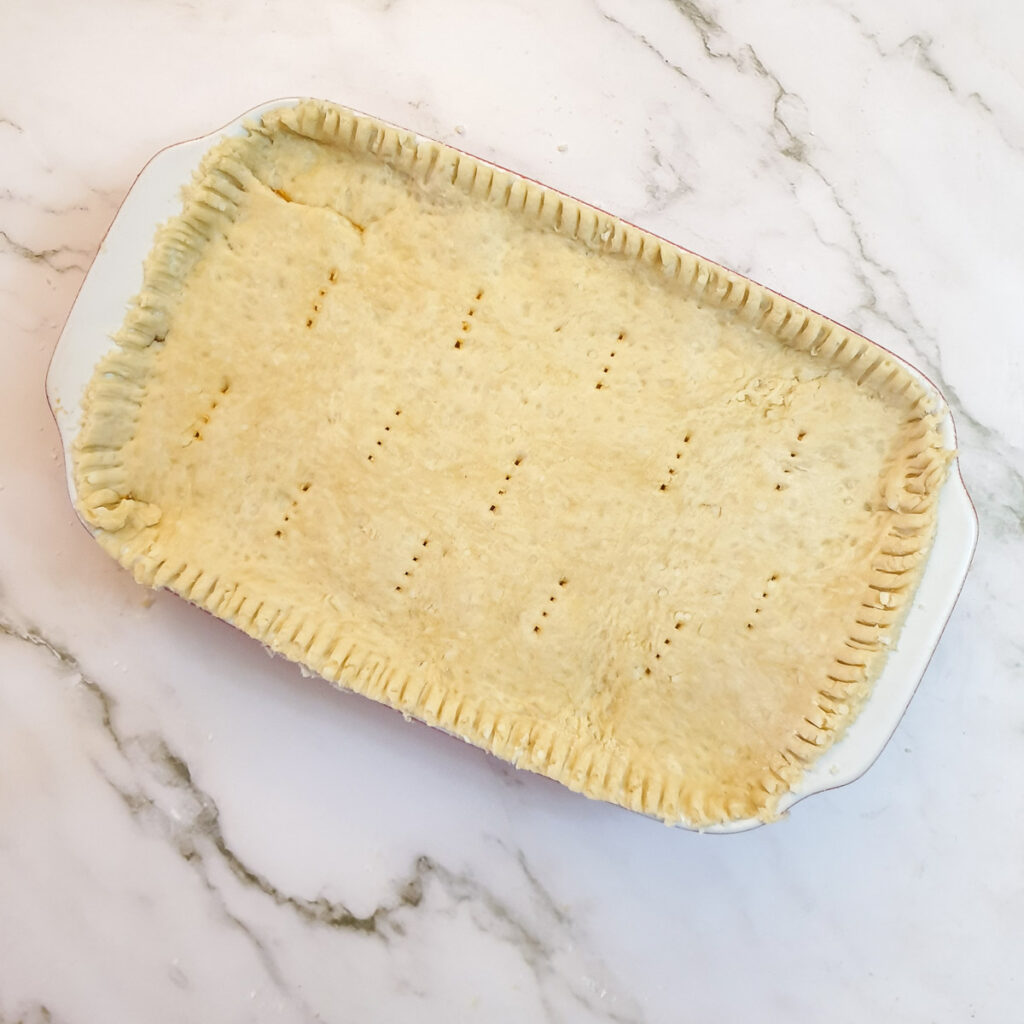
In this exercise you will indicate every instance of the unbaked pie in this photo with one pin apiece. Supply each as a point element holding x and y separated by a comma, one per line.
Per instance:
<point>462,444</point>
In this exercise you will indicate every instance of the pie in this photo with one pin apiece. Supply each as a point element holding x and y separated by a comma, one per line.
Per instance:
<point>488,455</point>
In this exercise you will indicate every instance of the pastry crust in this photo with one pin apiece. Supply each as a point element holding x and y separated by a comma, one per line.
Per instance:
<point>462,444</point>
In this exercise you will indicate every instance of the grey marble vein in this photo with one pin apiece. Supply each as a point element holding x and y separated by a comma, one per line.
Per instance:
<point>788,140</point>
<point>67,662</point>
<point>49,257</point>
<point>142,806</point>
<point>110,197</point>
<point>539,889</point>
<point>662,196</point>
<point>922,46</point>
<point>6,122</point>
<point>537,951</point>
<point>791,144</point>
<point>205,820</point>
<point>387,922</point>
<point>706,25</point>
<point>660,54</point>
<point>919,46</point>
<point>32,1013</point>
<point>196,834</point>
<point>30,635</point>
<point>924,59</point>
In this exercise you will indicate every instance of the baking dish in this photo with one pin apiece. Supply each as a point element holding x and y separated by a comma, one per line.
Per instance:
<point>115,276</point>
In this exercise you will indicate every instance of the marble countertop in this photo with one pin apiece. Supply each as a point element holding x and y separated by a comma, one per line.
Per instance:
<point>190,830</point>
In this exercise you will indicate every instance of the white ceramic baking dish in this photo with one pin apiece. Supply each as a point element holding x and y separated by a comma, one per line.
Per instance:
<point>116,276</point>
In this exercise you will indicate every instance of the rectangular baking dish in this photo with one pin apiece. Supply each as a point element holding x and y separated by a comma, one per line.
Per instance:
<point>116,275</point>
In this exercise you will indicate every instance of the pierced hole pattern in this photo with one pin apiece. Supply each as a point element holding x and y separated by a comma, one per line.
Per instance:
<point>800,437</point>
<point>318,302</point>
<point>607,363</point>
<point>503,488</point>
<point>673,466</point>
<point>658,646</point>
<point>378,444</point>
<point>413,565</point>
<point>467,321</point>
<point>195,428</point>
<point>547,611</point>
<point>293,508</point>
<point>767,590</point>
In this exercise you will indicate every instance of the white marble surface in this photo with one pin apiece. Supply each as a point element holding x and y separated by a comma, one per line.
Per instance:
<point>190,830</point>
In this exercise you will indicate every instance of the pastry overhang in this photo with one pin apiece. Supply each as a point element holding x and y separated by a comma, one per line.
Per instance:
<point>471,448</point>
